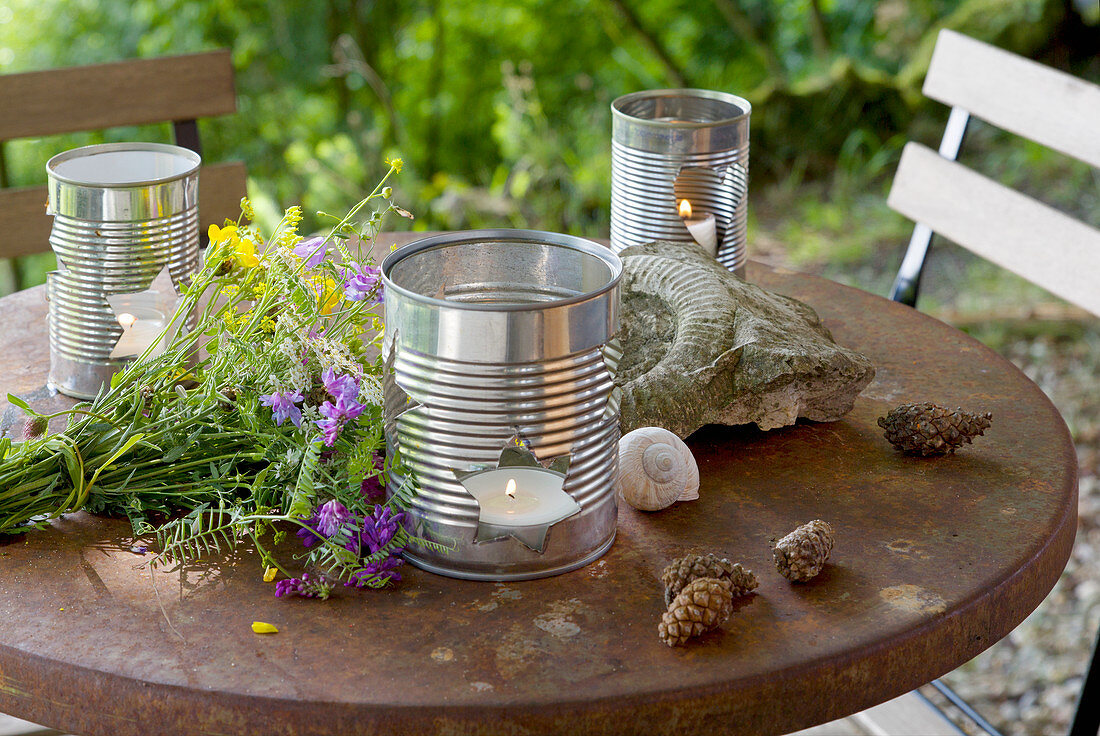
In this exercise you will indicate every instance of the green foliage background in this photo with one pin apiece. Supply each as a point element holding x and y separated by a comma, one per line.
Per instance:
<point>501,109</point>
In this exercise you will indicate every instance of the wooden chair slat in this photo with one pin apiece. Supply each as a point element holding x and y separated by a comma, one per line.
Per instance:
<point>25,226</point>
<point>1045,246</point>
<point>1019,95</point>
<point>123,93</point>
<point>221,187</point>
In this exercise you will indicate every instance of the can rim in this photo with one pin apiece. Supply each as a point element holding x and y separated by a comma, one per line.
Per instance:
<point>739,102</point>
<point>187,153</point>
<point>589,247</point>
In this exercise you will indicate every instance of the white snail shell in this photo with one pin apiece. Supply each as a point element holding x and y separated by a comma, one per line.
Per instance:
<point>656,469</point>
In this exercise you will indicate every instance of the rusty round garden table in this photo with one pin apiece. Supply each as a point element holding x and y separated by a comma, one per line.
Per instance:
<point>936,559</point>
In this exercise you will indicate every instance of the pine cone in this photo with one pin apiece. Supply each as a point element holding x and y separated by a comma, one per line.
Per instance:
<point>34,427</point>
<point>701,606</point>
<point>929,429</point>
<point>801,554</point>
<point>683,570</point>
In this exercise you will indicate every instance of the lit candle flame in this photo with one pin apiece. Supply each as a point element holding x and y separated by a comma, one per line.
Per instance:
<point>685,208</point>
<point>510,489</point>
<point>126,320</point>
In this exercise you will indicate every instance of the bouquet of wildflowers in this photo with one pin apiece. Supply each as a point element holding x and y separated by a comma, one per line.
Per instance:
<point>265,417</point>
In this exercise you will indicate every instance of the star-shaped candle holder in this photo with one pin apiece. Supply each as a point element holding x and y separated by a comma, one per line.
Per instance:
<point>143,315</point>
<point>521,497</point>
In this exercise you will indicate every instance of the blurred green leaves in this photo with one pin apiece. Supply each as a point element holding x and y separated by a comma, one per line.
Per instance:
<point>501,108</point>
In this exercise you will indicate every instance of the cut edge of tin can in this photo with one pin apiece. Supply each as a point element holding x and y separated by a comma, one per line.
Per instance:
<point>98,148</point>
<point>584,245</point>
<point>730,99</point>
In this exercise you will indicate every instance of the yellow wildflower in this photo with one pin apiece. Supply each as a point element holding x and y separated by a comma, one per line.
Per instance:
<point>244,253</point>
<point>227,234</point>
<point>328,294</point>
<point>395,164</point>
<point>288,234</point>
<point>235,321</point>
<point>246,209</point>
<point>270,573</point>
<point>259,627</point>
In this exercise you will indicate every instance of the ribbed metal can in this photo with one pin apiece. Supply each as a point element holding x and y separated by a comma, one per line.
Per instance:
<point>493,335</point>
<point>122,212</point>
<point>668,145</point>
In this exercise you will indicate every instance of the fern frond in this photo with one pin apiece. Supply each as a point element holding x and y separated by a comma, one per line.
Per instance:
<point>301,500</point>
<point>203,532</point>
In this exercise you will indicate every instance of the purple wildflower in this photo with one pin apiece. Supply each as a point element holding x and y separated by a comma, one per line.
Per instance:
<point>326,522</point>
<point>377,574</point>
<point>312,251</point>
<point>362,282</point>
<point>283,407</point>
<point>308,532</point>
<point>372,487</point>
<point>304,586</point>
<point>332,517</point>
<point>341,387</point>
<point>336,415</point>
<point>379,528</point>
<point>330,429</point>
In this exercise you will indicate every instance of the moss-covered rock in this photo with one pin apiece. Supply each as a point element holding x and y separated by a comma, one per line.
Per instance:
<point>700,346</point>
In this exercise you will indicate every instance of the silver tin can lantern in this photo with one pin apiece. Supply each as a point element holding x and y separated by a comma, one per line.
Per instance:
<point>672,146</point>
<point>122,213</point>
<point>500,399</point>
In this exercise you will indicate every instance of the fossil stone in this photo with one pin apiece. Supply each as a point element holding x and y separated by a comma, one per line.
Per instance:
<point>700,347</point>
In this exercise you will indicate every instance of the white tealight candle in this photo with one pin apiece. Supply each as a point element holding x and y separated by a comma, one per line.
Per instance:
<point>703,229</point>
<point>520,496</point>
<point>140,328</point>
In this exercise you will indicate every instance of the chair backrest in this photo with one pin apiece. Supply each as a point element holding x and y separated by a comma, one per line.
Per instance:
<point>175,89</point>
<point>1038,242</point>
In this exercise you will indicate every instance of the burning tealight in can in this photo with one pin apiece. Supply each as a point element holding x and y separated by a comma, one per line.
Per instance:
<point>675,151</point>
<point>500,399</point>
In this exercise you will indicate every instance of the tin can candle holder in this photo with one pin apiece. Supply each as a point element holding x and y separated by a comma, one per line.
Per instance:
<point>500,400</point>
<point>675,146</point>
<point>122,213</point>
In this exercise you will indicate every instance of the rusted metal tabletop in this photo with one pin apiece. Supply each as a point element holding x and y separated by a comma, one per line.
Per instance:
<point>935,561</point>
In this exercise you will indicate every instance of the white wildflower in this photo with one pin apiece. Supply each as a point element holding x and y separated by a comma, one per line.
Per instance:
<point>289,348</point>
<point>299,379</point>
<point>370,390</point>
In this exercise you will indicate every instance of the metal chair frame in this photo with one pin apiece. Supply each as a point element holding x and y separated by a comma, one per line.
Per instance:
<point>906,285</point>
